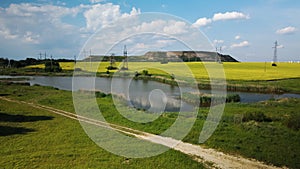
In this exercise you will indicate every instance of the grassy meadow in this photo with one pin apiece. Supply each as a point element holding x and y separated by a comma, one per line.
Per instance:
<point>34,138</point>
<point>267,131</point>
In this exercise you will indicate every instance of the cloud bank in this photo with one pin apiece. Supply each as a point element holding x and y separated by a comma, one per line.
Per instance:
<point>201,22</point>
<point>287,30</point>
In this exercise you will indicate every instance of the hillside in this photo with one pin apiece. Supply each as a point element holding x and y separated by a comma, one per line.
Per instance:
<point>168,56</point>
<point>188,56</point>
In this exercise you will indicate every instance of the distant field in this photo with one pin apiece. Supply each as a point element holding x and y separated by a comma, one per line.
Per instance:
<point>233,71</point>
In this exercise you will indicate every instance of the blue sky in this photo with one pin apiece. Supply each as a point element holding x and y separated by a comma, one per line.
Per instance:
<point>246,30</point>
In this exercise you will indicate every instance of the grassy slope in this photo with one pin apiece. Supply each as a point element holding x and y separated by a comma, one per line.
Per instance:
<point>272,141</point>
<point>40,139</point>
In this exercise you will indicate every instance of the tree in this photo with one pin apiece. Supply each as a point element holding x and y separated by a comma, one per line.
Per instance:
<point>52,66</point>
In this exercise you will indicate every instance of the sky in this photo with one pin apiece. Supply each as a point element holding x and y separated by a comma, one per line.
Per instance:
<point>245,30</point>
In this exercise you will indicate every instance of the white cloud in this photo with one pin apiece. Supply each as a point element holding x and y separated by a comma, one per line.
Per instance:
<point>96,1</point>
<point>133,12</point>
<point>287,30</point>
<point>31,38</point>
<point>153,26</point>
<point>175,27</point>
<point>171,27</point>
<point>237,37</point>
<point>202,22</point>
<point>163,6</point>
<point>38,28</point>
<point>240,45</point>
<point>229,16</point>
<point>218,41</point>
<point>30,10</point>
<point>51,28</point>
<point>4,32</point>
<point>101,15</point>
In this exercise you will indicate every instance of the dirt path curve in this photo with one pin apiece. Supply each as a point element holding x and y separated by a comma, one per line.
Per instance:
<point>210,157</point>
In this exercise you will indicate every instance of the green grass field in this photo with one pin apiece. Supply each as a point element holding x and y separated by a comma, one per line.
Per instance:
<point>269,131</point>
<point>33,138</point>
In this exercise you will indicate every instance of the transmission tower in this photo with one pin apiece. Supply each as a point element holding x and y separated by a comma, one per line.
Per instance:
<point>40,56</point>
<point>275,54</point>
<point>125,61</point>
<point>218,58</point>
<point>8,65</point>
<point>51,62</point>
<point>112,62</point>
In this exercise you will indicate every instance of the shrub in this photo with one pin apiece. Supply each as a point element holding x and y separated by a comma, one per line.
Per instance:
<point>145,72</point>
<point>256,116</point>
<point>293,122</point>
<point>136,74</point>
<point>233,98</point>
<point>52,66</point>
<point>77,69</point>
<point>100,94</point>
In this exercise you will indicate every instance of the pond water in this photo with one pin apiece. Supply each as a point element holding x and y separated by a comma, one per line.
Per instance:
<point>139,90</point>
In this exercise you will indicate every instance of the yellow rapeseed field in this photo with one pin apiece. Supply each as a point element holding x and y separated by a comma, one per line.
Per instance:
<point>232,70</point>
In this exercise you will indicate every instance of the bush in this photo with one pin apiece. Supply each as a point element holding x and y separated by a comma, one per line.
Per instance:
<point>100,94</point>
<point>136,74</point>
<point>145,72</point>
<point>233,98</point>
<point>256,116</point>
<point>77,69</point>
<point>293,122</point>
<point>52,66</point>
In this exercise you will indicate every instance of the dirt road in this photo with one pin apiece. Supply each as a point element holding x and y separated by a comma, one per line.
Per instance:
<point>210,157</point>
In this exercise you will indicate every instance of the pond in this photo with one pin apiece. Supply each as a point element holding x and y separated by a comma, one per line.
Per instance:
<point>140,90</point>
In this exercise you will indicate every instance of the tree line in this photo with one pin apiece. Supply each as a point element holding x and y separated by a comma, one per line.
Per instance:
<point>11,63</point>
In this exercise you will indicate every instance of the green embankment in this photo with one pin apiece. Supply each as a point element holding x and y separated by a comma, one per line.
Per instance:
<point>33,138</point>
<point>267,131</point>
